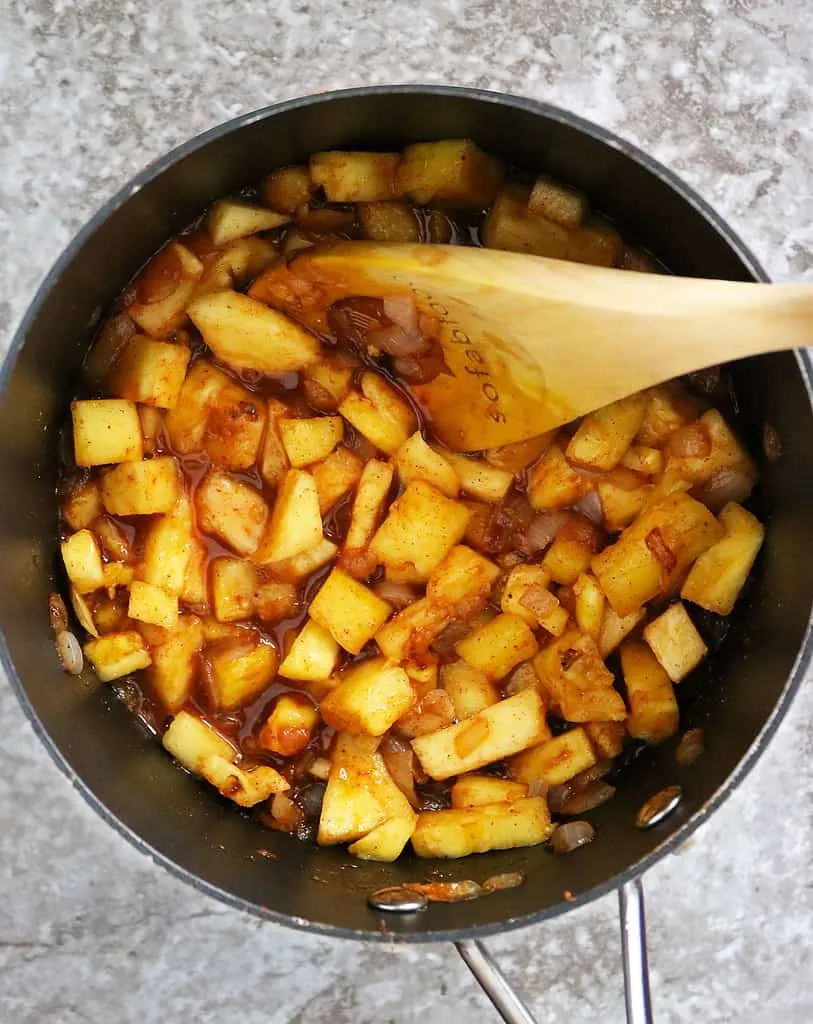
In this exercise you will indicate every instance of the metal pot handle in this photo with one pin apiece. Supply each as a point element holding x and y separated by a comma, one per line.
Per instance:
<point>513,1010</point>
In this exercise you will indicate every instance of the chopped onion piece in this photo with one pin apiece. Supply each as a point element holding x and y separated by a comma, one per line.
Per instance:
<point>401,309</point>
<point>590,506</point>
<point>571,836</point>
<point>69,652</point>
<point>507,880</point>
<point>57,613</point>
<point>692,745</point>
<point>399,595</point>
<point>542,529</point>
<point>447,892</point>
<point>593,795</point>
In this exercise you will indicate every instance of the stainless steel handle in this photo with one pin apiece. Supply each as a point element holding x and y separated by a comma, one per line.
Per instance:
<point>633,943</point>
<point>494,983</point>
<point>636,965</point>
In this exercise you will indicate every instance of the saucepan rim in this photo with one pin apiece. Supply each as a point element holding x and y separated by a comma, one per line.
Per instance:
<point>157,168</point>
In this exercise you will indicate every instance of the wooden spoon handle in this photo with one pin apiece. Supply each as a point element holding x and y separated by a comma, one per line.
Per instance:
<point>554,340</point>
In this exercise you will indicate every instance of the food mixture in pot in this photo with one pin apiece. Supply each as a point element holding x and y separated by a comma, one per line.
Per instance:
<point>323,611</point>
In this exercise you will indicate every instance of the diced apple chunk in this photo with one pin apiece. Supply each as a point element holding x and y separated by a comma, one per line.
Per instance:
<point>233,585</point>
<point>666,411</point>
<point>604,436</point>
<point>309,440</point>
<point>422,526</point>
<point>289,727</point>
<point>653,713</point>
<point>590,602</point>
<point>355,177</point>
<point>312,656</point>
<point>607,737</point>
<point>205,752</point>
<point>231,510</point>
<point>572,671</point>
<point>288,188</point>
<point>409,633</point>
<point>495,648</point>
<point>500,826</point>
<point>470,690</point>
<point>230,219</point>
<point>614,628</point>
<point>360,793</point>
<point>83,561</point>
<point>379,414</point>
<point>174,663</point>
<point>249,335</point>
<point>191,741</point>
<point>168,547</point>
<point>654,552</point>
<point>275,600</point>
<point>477,478</point>
<point>554,483</point>
<point>556,760</point>
<point>295,524</point>
<point>106,430</point>
<point>415,460</point>
<point>557,203</point>
<point>388,222</point>
<point>309,561</point>
<point>240,669</point>
<point>719,574</point>
<point>141,488</point>
<point>499,731</point>
<point>237,263</point>
<point>245,786</point>
<point>453,172</point>
<point>369,698</point>
<point>335,476</point>
<point>149,371</point>
<point>349,611</point>
<point>476,790</point>
<point>386,841</point>
<point>675,642</point>
<point>526,595</point>
<point>274,462</point>
<point>149,603</point>
<point>371,494</point>
<point>117,654</point>
<point>509,225</point>
<point>164,289</point>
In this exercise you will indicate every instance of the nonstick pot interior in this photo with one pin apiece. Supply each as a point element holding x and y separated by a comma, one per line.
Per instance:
<point>122,770</point>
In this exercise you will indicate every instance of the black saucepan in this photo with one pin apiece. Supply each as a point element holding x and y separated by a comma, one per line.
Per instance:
<point>182,823</point>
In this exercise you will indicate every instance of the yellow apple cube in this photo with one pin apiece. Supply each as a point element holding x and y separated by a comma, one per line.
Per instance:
<point>349,611</point>
<point>675,642</point>
<point>498,646</point>
<point>83,561</point>
<point>151,372</point>
<point>295,524</point>
<point>149,603</point>
<point>422,526</point>
<point>249,335</point>
<point>106,430</point>
<point>117,654</point>
<point>498,731</point>
<point>313,655</point>
<point>309,440</point>
<point>231,510</point>
<point>369,698</point>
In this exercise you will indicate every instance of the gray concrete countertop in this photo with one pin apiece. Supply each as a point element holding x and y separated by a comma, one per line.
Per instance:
<point>91,931</point>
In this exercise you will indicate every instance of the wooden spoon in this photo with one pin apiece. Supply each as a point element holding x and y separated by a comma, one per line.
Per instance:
<point>532,343</point>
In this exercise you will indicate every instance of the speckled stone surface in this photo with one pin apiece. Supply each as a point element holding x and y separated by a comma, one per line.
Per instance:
<point>91,931</point>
